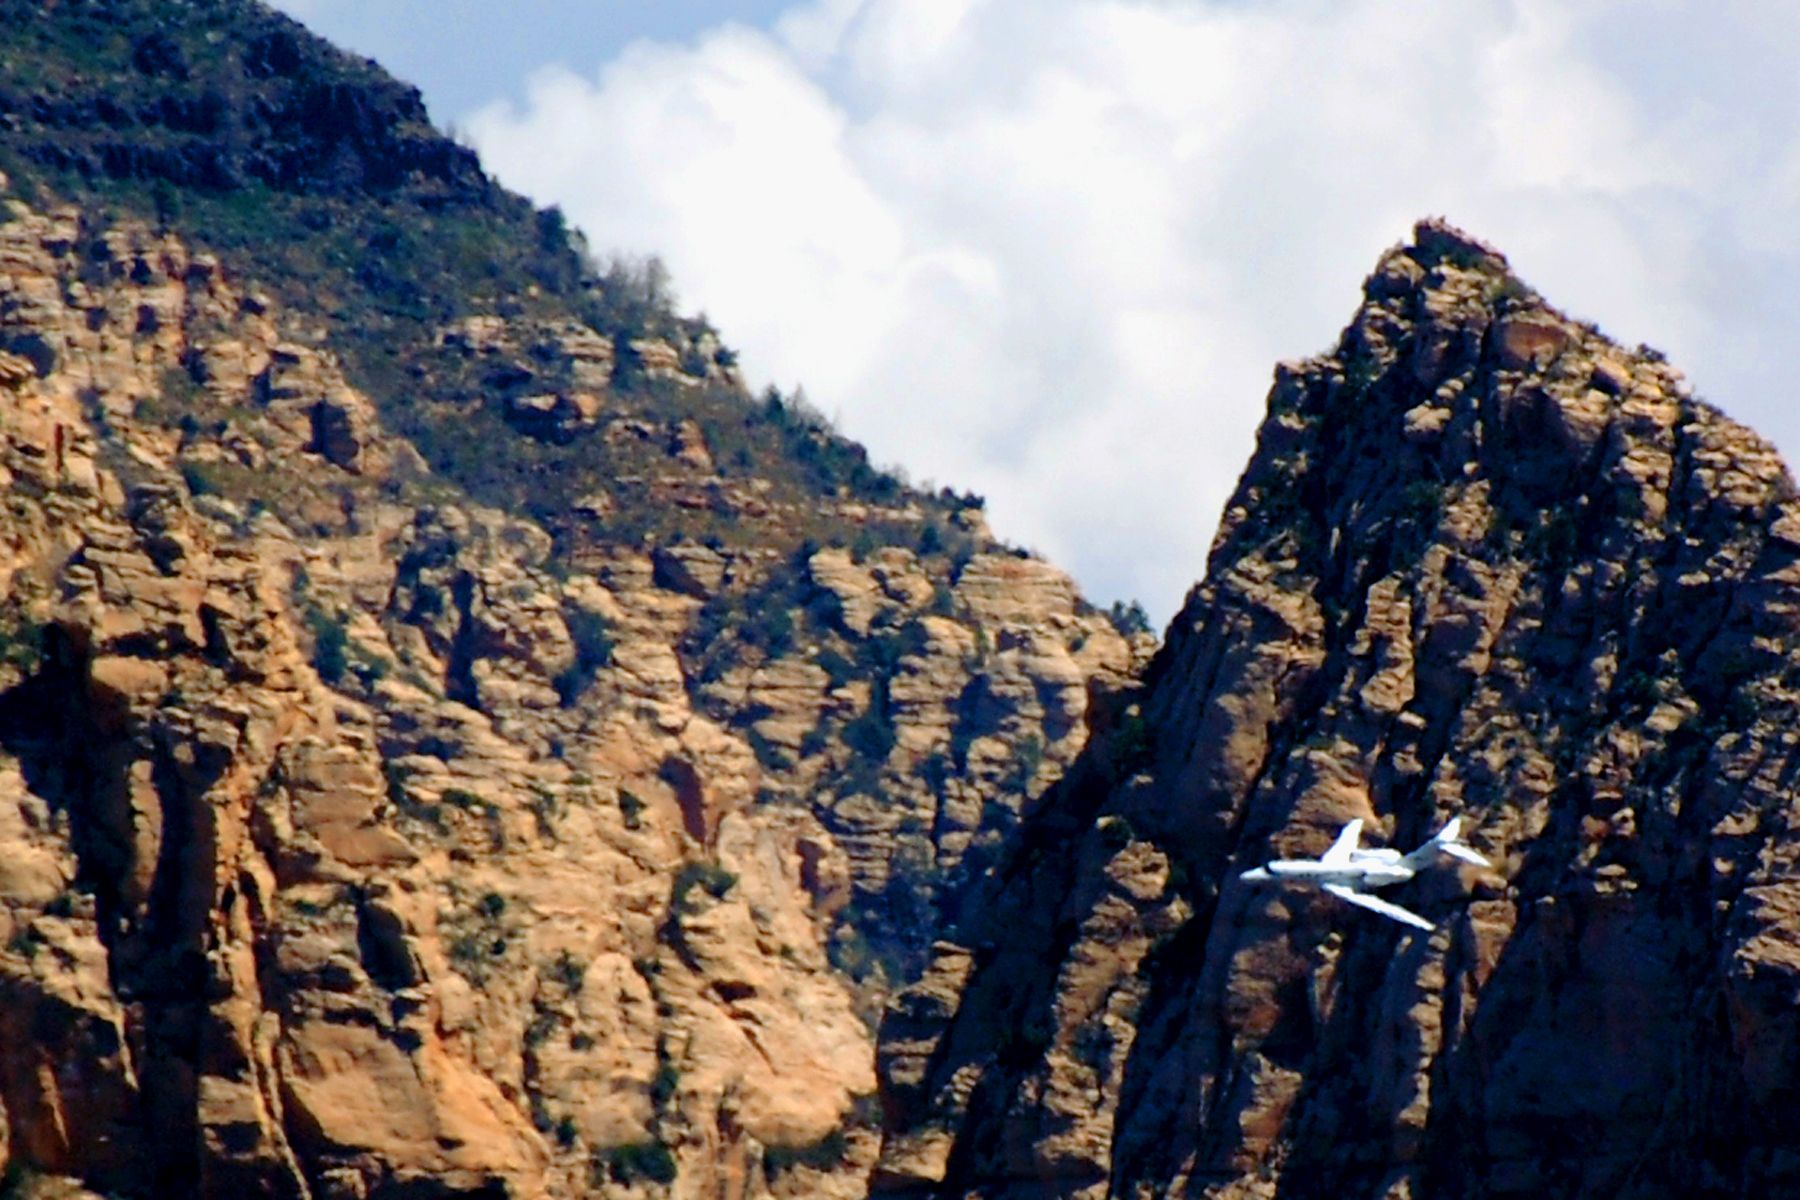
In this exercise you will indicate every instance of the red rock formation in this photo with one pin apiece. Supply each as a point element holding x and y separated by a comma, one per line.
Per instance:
<point>1483,563</point>
<point>352,841</point>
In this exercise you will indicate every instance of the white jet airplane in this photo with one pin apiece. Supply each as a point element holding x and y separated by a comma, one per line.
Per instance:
<point>1350,873</point>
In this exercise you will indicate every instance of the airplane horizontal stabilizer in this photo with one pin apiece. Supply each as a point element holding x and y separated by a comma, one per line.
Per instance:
<point>1458,850</point>
<point>1449,840</point>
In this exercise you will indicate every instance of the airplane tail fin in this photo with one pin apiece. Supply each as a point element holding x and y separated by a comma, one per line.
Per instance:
<point>1345,846</point>
<point>1447,840</point>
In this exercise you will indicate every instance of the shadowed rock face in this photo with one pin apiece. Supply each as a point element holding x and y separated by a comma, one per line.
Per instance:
<point>1483,562</point>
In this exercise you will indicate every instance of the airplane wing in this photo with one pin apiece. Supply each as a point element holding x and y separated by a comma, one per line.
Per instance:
<point>1375,904</point>
<point>1345,846</point>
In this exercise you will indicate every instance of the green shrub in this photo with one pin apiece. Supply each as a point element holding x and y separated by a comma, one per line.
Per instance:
<point>22,643</point>
<point>1028,759</point>
<point>1132,746</point>
<point>863,544</point>
<point>1556,538</point>
<point>1421,509</point>
<point>631,808</point>
<point>200,479</point>
<point>370,668</point>
<point>568,971</point>
<point>1362,371</point>
<point>592,637</point>
<point>462,798</point>
<point>25,942</point>
<point>1129,617</point>
<point>330,656</point>
<point>838,669</point>
<point>634,299</point>
<point>825,610</point>
<point>1497,537</point>
<point>666,1080</point>
<point>881,654</point>
<point>1511,290</point>
<point>890,931</point>
<point>637,1161</point>
<point>1468,258</point>
<point>1422,502</point>
<point>850,953</point>
<point>710,878</point>
<point>871,735</point>
<point>773,630</point>
<point>593,650</point>
<point>821,1155</point>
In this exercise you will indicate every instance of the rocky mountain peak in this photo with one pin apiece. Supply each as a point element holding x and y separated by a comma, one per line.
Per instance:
<point>454,738</point>
<point>1484,563</point>
<point>456,741</point>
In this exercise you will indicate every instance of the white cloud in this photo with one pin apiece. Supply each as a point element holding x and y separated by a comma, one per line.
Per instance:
<point>1050,249</point>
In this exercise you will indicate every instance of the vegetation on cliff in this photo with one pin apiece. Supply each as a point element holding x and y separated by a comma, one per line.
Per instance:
<point>318,176</point>
<point>453,737</point>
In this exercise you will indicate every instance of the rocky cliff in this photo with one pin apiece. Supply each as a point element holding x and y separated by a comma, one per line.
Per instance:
<point>1484,563</point>
<point>453,740</point>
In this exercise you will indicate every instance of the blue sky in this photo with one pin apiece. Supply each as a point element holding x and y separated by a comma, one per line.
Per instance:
<point>1049,250</point>
<point>463,54</point>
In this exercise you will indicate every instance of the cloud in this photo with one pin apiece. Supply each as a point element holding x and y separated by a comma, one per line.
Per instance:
<point>1051,249</point>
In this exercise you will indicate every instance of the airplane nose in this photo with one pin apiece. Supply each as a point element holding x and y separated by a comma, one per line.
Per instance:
<point>1256,875</point>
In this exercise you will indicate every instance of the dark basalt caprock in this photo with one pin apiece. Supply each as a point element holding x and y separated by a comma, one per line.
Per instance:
<point>1486,563</point>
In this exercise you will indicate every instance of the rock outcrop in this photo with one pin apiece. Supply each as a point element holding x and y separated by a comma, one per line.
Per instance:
<point>454,739</point>
<point>1483,563</point>
<point>358,839</point>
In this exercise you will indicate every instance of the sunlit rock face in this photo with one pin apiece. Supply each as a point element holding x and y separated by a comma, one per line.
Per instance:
<point>1484,563</point>
<point>454,739</point>
<point>356,836</point>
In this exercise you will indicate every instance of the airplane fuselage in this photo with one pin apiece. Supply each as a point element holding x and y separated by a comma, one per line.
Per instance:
<point>1358,875</point>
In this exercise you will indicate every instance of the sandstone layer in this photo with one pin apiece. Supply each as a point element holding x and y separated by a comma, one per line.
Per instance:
<point>358,840</point>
